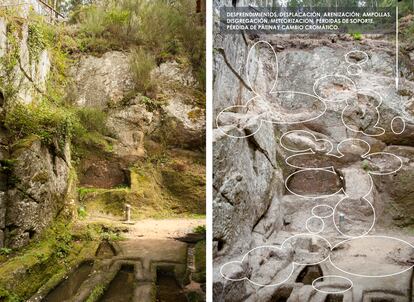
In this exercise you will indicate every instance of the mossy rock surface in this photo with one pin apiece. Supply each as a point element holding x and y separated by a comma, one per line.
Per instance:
<point>200,262</point>
<point>45,262</point>
<point>164,186</point>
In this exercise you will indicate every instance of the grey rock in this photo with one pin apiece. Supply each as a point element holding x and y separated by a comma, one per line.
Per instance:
<point>38,193</point>
<point>102,81</point>
<point>257,209</point>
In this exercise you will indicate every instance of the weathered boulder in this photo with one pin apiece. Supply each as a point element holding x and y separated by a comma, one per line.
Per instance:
<point>103,171</point>
<point>37,188</point>
<point>396,190</point>
<point>244,186</point>
<point>131,124</point>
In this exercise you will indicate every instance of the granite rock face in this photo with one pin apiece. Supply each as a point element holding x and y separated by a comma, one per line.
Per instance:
<point>170,116</point>
<point>266,138</point>
<point>38,184</point>
<point>102,81</point>
<point>107,82</point>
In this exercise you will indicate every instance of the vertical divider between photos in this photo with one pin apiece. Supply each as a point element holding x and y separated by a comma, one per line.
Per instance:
<point>209,149</point>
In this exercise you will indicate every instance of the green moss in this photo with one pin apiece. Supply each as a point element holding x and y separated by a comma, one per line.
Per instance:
<point>162,186</point>
<point>200,262</point>
<point>106,201</point>
<point>195,114</point>
<point>186,187</point>
<point>366,165</point>
<point>96,293</point>
<point>7,296</point>
<point>57,250</point>
<point>201,229</point>
<point>356,36</point>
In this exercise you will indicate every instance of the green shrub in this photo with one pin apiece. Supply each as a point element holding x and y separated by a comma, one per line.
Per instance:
<point>356,36</point>
<point>166,29</point>
<point>159,26</point>
<point>82,212</point>
<point>5,251</point>
<point>142,63</point>
<point>93,120</point>
<point>92,19</point>
<point>201,229</point>
<point>44,120</point>
<point>36,41</point>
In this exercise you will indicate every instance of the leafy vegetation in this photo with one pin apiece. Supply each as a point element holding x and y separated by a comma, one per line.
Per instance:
<point>5,251</point>
<point>357,36</point>
<point>366,165</point>
<point>142,63</point>
<point>201,229</point>
<point>44,120</point>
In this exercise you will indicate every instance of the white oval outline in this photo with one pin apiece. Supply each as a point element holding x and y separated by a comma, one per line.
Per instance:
<point>322,226</point>
<point>332,292</point>
<point>308,149</point>
<point>358,72</point>
<point>268,45</point>
<point>370,236</point>
<point>315,84</point>
<point>372,207</point>
<point>255,283</point>
<point>322,205</point>
<point>375,126</point>
<point>389,154</point>
<point>392,125</point>
<point>309,196</point>
<point>359,63</point>
<point>311,235</point>
<point>293,263</point>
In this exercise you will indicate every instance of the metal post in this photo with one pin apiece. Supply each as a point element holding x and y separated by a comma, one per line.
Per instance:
<point>127,212</point>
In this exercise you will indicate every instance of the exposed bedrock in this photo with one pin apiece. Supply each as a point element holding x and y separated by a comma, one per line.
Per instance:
<point>358,128</point>
<point>172,116</point>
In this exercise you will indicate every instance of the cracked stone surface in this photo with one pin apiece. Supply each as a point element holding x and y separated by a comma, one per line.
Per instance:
<point>252,207</point>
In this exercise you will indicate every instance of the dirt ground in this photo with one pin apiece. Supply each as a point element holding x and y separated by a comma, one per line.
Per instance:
<point>153,228</point>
